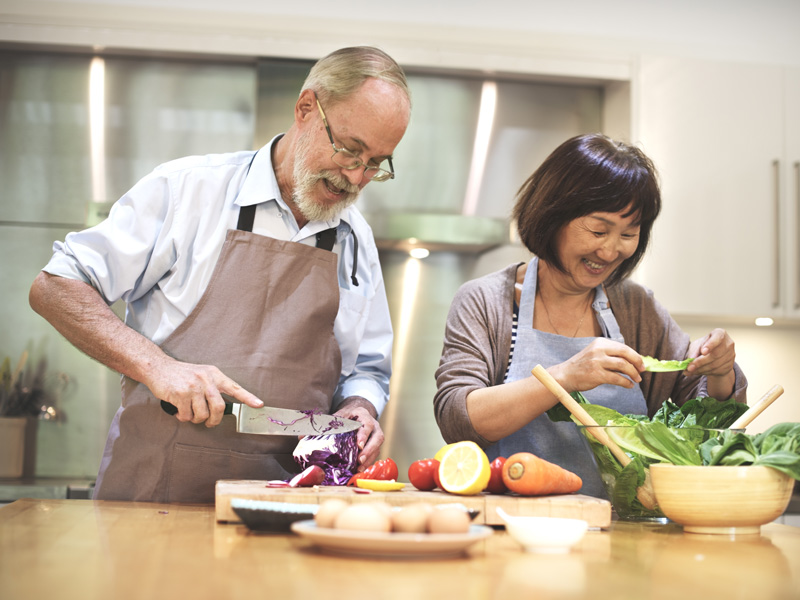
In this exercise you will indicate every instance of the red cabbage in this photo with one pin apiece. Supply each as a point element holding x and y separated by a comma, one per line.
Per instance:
<point>336,454</point>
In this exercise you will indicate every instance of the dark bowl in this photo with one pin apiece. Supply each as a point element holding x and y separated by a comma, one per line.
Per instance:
<point>276,517</point>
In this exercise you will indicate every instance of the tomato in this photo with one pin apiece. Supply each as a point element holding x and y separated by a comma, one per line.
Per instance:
<point>423,474</point>
<point>381,469</point>
<point>496,484</point>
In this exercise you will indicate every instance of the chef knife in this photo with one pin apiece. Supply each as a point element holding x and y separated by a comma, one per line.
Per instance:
<point>280,421</point>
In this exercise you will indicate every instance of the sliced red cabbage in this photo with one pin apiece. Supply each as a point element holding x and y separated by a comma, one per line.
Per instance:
<point>336,454</point>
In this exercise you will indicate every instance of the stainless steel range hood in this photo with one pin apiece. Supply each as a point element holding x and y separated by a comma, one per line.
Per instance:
<point>436,232</point>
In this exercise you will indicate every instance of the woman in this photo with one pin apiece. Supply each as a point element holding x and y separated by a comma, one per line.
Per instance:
<point>586,215</point>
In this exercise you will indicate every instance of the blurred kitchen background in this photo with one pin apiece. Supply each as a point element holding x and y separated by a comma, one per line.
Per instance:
<point>95,94</point>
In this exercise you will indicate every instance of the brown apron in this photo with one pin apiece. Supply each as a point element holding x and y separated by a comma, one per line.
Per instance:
<point>266,321</point>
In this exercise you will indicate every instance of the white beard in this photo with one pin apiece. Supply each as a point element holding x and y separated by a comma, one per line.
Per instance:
<point>305,180</point>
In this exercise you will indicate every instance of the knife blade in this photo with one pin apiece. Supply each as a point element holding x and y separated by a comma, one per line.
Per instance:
<point>271,420</point>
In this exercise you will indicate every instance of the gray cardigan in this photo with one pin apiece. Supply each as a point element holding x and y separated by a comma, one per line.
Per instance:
<point>477,343</point>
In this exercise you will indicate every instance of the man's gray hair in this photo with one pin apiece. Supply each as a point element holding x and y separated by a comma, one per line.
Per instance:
<point>342,72</point>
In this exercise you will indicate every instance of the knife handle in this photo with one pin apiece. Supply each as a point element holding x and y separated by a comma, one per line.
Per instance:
<point>171,409</point>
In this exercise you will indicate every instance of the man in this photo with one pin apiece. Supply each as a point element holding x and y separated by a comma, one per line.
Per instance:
<point>227,294</point>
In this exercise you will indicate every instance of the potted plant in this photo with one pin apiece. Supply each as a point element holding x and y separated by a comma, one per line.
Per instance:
<point>24,399</point>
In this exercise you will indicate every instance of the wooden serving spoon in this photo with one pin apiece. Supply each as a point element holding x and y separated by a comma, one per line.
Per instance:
<point>757,408</point>
<point>645,492</point>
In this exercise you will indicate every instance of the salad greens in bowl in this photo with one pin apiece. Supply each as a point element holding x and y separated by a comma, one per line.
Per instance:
<point>674,435</point>
<point>695,434</point>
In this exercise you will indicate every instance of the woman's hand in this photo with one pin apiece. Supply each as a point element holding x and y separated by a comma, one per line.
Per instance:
<point>602,361</point>
<point>714,355</point>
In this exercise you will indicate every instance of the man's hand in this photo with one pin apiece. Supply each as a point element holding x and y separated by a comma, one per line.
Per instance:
<point>81,315</point>
<point>370,436</point>
<point>196,391</point>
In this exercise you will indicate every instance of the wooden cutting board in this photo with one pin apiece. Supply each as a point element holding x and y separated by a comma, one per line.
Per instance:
<point>594,511</point>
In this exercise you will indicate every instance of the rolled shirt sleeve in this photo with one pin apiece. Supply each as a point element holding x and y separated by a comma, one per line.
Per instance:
<point>159,246</point>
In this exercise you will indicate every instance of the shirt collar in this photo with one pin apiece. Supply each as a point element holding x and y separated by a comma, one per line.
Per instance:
<point>261,185</point>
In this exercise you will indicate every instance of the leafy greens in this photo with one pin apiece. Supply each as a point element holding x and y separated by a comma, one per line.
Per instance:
<point>662,366</point>
<point>693,434</point>
<point>777,447</point>
<point>684,435</point>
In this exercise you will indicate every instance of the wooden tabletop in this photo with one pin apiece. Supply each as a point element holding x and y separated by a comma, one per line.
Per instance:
<point>64,549</point>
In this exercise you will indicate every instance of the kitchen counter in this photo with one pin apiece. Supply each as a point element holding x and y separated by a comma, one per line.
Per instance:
<point>45,487</point>
<point>95,549</point>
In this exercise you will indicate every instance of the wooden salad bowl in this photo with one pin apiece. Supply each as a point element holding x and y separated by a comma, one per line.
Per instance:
<point>721,499</point>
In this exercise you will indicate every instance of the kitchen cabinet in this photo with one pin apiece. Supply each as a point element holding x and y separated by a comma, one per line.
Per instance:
<point>725,138</point>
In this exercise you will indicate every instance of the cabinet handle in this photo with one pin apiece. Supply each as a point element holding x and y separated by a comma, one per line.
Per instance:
<point>776,286</point>
<point>797,234</point>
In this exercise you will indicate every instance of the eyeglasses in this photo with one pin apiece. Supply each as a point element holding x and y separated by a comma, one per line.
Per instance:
<point>349,161</point>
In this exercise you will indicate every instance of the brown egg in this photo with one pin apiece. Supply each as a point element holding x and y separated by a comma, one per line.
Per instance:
<point>328,511</point>
<point>383,507</point>
<point>448,520</point>
<point>363,517</point>
<point>412,518</point>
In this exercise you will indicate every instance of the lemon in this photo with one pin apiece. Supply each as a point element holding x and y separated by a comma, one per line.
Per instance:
<point>464,469</point>
<point>380,485</point>
<point>440,452</point>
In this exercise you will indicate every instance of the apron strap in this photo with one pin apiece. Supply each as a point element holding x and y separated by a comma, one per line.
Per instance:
<point>326,239</point>
<point>247,216</point>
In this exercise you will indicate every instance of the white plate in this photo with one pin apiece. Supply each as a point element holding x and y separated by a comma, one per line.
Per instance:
<point>391,545</point>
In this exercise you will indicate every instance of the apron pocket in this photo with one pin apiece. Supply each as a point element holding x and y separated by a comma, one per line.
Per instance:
<point>196,469</point>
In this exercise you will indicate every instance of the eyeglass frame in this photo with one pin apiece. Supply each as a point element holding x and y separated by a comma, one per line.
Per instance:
<point>346,152</point>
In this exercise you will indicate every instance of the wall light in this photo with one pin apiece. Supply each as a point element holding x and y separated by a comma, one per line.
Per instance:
<point>764,321</point>
<point>419,252</point>
<point>97,127</point>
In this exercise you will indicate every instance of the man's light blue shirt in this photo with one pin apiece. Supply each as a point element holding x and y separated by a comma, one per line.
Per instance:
<point>160,244</point>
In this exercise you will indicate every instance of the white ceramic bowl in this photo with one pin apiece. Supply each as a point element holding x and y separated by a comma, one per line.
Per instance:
<point>720,499</point>
<point>549,535</point>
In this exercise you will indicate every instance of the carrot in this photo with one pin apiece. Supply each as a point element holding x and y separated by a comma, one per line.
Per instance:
<point>529,475</point>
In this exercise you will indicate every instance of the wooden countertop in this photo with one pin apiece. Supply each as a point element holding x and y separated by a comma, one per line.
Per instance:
<point>63,549</point>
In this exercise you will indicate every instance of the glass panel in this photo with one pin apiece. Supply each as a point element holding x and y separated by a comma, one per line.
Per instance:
<point>44,145</point>
<point>78,129</point>
<point>435,161</point>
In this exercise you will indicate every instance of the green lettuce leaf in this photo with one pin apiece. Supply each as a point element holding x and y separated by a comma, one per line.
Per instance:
<point>700,412</point>
<point>662,366</point>
<point>668,445</point>
<point>561,413</point>
<point>777,447</point>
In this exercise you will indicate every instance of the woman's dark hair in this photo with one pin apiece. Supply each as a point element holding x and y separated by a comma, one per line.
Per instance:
<point>587,174</point>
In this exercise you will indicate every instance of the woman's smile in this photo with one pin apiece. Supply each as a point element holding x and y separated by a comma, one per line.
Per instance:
<point>592,247</point>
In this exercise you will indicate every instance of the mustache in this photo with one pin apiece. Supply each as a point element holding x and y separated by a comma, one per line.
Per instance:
<point>338,181</point>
